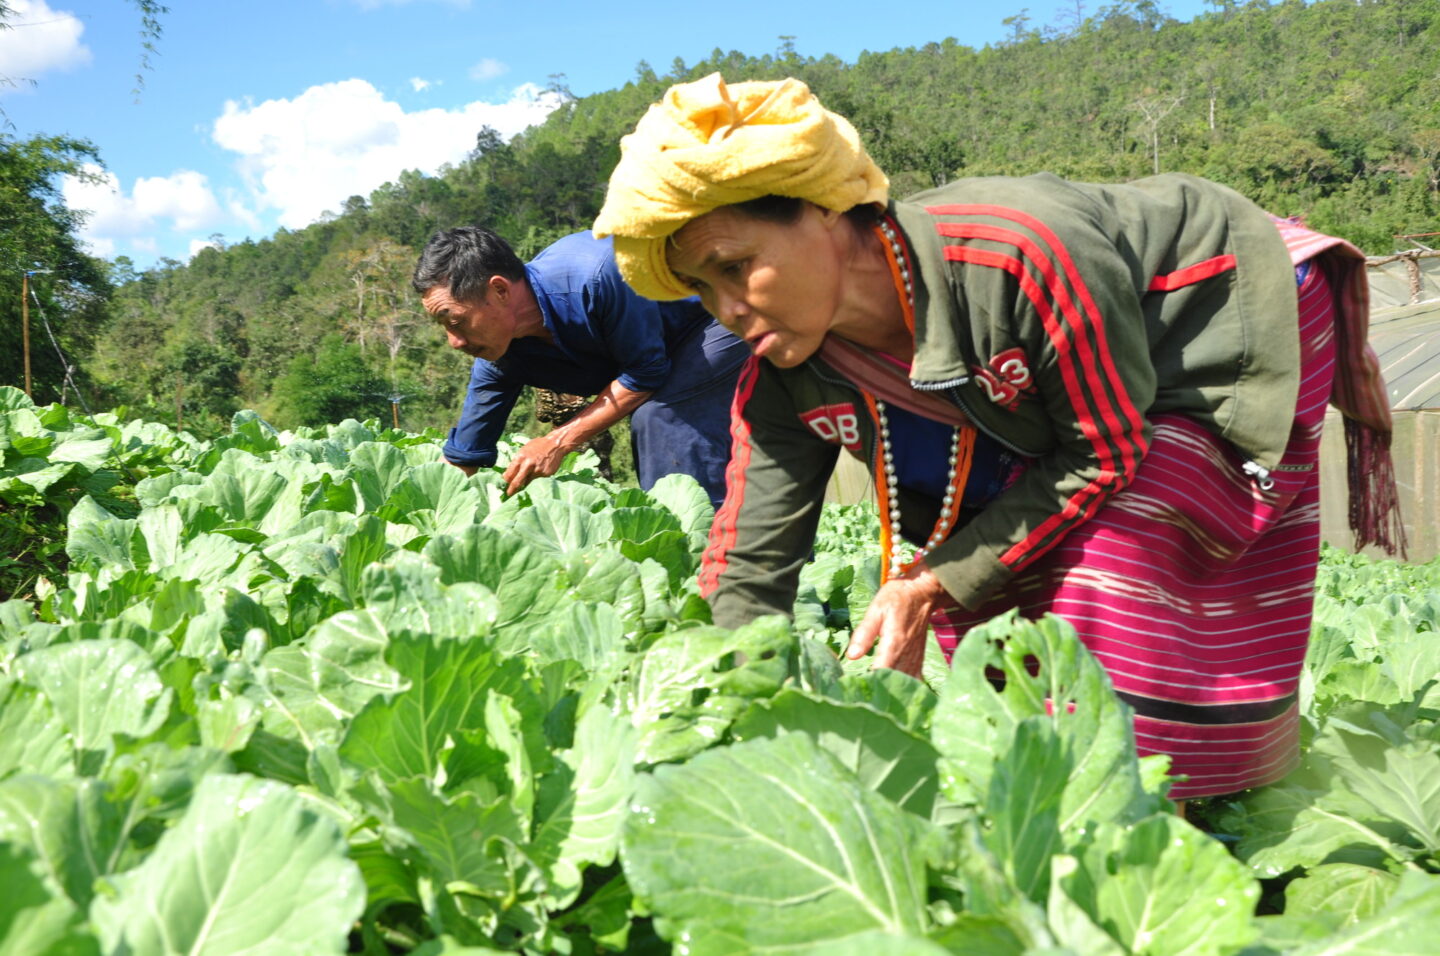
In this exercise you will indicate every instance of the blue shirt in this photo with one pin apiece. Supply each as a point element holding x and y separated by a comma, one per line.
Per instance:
<point>601,332</point>
<point>921,447</point>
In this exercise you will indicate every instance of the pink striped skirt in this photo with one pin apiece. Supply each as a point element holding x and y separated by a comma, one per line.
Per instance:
<point>1194,588</point>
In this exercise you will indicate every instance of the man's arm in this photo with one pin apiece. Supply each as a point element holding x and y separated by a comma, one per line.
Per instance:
<point>489,398</point>
<point>543,455</point>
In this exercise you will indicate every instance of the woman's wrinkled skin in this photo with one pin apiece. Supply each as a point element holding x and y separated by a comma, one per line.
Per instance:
<point>782,287</point>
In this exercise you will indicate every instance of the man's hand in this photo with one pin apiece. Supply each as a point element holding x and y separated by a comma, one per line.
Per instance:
<point>899,618</point>
<point>544,455</point>
<point>536,458</point>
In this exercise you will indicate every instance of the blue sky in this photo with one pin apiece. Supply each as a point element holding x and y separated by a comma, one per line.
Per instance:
<point>268,113</point>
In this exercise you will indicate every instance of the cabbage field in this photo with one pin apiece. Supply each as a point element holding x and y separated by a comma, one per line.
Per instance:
<point>319,692</point>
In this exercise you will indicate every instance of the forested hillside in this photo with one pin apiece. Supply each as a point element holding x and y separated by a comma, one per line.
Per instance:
<point>1329,110</point>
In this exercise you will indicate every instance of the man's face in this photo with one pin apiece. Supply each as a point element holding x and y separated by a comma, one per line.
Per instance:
<point>482,329</point>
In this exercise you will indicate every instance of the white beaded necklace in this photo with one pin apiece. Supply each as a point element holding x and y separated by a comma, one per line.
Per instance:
<point>962,443</point>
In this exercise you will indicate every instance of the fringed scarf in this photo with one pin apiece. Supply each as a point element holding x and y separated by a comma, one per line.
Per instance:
<point>887,380</point>
<point>1359,391</point>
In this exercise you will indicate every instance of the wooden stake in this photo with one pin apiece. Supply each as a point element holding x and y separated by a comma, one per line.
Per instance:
<point>25,326</point>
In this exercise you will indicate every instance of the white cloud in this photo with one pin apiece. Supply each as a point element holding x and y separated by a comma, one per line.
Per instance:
<point>183,197</point>
<point>488,69</point>
<point>39,40</point>
<point>240,212</point>
<point>197,244</point>
<point>100,247</point>
<point>181,201</point>
<point>419,85</point>
<point>307,155</point>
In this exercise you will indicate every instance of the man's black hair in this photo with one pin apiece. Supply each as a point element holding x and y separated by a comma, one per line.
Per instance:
<point>463,260</point>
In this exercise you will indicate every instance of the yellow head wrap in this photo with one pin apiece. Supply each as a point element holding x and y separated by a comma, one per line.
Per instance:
<point>706,145</point>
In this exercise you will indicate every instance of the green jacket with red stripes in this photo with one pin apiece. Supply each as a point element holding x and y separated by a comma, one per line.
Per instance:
<point>1057,316</point>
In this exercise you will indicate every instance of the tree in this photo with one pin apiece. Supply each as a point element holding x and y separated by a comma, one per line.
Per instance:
<point>486,141</point>
<point>334,385</point>
<point>38,235</point>
<point>150,30</point>
<point>1272,164</point>
<point>1324,109</point>
<point>1153,108</point>
<point>150,13</point>
<point>1427,148</point>
<point>1071,18</point>
<point>207,381</point>
<point>1225,9</point>
<point>1019,26</point>
<point>385,308</point>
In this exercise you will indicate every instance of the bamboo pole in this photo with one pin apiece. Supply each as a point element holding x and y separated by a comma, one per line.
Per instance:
<point>1411,258</point>
<point>25,326</point>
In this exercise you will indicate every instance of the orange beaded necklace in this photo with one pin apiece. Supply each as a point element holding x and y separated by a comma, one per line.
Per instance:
<point>962,442</point>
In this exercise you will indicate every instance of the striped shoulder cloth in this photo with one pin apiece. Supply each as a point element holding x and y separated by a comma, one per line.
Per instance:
<point>1359,392</point>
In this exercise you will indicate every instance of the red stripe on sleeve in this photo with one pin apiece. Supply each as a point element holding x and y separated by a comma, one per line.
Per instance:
<point>1081,332</point>
<point>1127,435</point>
<point>722,531</point>
<point>1067,264</point>
<point>1085,501</point>
<point>1192,274</point>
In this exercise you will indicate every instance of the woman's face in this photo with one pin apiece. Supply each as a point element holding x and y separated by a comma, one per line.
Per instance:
<point>775,285</point>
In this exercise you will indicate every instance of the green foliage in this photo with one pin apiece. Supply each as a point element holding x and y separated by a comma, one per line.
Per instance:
<point>336,383</point>
<point>51,459</point>
<point>1367,788</point>
<point>150,30</point>
<point>373,705</point>
<point>466,723</point>
<point>1324,110</point>
<point>248,867</point>
<point>41,257</point>
<point>719,847</point>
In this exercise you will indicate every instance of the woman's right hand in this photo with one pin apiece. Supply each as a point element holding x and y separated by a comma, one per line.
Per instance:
<point>898,619</point>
